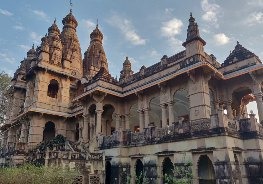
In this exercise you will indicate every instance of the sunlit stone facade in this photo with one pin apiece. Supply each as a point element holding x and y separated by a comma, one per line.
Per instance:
<point>186,108</point>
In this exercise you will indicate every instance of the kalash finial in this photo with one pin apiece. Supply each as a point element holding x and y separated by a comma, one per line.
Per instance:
<point>71,5</point>
<point>97,25</point>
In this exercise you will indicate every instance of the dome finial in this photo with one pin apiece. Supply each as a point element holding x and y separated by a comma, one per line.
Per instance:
<point>71,5</point>
<point>97,25</point>
<point>55,21</point>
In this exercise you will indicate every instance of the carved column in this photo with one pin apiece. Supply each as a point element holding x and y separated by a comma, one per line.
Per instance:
<point>229,110</point>
<point>127,121</point>
<point>171,112</point>
<point>147,118</point>
<point>85,130</point>
<point>164,118</point>
<point>99,110</point>
<point>141,114</point>
<point>117,121</point>
<point>259,105</point>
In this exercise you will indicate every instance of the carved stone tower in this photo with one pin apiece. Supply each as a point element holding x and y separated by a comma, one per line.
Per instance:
<point>95,57</point>
<point>194,44</point>
<point>71,57</point>
<point>126,70</point>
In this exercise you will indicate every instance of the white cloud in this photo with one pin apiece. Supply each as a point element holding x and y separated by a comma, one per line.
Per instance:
<point>35,37</point>
<point>168,11</point>
<point>24,47</point>
<point>90,25</point>
<point>254,18</point>
<point>170,30</point>
<point>211,11</point>
<point>18,27</point>
<point>221,39</point>
<point>42,15</point>
<point>255,3</point>
<point>172,27</point>
<point>5,12</point>
<point>6,58</point>
<point>127,29</point>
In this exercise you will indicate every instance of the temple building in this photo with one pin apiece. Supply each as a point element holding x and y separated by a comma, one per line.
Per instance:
<point>187,110</point>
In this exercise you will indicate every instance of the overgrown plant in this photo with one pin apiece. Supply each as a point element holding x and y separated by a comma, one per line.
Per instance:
<point>182,174</point>
<point>31,174</point>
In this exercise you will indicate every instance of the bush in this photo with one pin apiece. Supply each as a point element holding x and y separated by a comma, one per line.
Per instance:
<point>31,174</point>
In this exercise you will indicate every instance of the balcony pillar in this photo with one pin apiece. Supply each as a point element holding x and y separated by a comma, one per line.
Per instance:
<point>141,114</point>
<point>99,110</point>
<point>127,121</point>
<point>85,131</point>
<point>164,118</point>
<point>259,106</point>
<point>147,118</point>
<point>230,110</point>
<point>171,113</point>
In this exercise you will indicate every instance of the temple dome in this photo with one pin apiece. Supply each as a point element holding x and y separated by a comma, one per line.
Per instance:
<point>70,20</point>
<point>96,34</point>
<point>54,28</point>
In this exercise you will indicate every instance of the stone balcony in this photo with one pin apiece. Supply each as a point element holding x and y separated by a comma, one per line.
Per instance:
<point>245,128</point>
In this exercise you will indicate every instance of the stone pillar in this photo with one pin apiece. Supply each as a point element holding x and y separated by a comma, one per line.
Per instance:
<point>146,117</point>
<point>141,120</point>
<point>229,110</point>
<point>164,118</point>
<point>127,121</point>
<point>259,106</point>
<point>99,110</point>
<point>24,131</point>
<point>171,113</point>
<point>220,112</point>
<point>85,130</point>
<point>117,122</point>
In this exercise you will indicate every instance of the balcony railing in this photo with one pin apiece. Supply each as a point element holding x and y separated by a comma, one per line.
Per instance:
<point>242,128</point>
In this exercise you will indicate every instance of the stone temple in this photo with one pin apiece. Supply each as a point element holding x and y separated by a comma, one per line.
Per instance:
<point>187,110</point>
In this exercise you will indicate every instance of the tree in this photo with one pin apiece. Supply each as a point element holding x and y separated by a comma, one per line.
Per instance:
<point>5,82</point>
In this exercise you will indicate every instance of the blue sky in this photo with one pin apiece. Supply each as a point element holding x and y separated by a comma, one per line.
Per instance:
<point>143,30</point>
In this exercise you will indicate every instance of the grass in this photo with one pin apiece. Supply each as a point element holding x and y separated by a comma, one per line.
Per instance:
<point>30,174</point>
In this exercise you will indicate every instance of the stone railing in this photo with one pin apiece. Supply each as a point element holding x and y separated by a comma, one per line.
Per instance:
<point>244,128</point>
<point>150,135</point>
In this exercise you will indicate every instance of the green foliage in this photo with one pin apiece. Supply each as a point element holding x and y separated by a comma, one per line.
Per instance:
<point>31,174</point>
<point>5,82</point>
<point>182,174</point>
<point>141,179</point>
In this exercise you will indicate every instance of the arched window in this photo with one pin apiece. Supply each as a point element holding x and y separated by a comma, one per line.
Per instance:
<point>168,169</point>
<point>108,172</point>
<point>181,105</point>
<point>139,171</point>
<point>49,131</point>
<point>206,170</point>
<point>53,88</point>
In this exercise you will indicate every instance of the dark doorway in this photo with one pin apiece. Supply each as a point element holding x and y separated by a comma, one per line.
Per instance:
<point>49,131</point>
<point>108,173</point>
<point>168,169</point>
<point>139,171</point>
<point>206,170</point>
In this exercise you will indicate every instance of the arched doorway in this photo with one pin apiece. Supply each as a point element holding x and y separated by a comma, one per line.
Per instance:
<point>168,169</point>
<point>181,105</point>
<point>134,118</point>
<point>139,172</point>
<point>49,131</point>
<point>155,112</point>
<point>108,125</point>
<point>108,172</point>
<point>206,172</point>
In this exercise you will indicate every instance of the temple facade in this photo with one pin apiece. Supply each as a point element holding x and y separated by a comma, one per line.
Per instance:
<point>187,112</point>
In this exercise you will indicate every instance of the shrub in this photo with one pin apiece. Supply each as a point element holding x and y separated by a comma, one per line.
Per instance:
<point>31,174</point>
